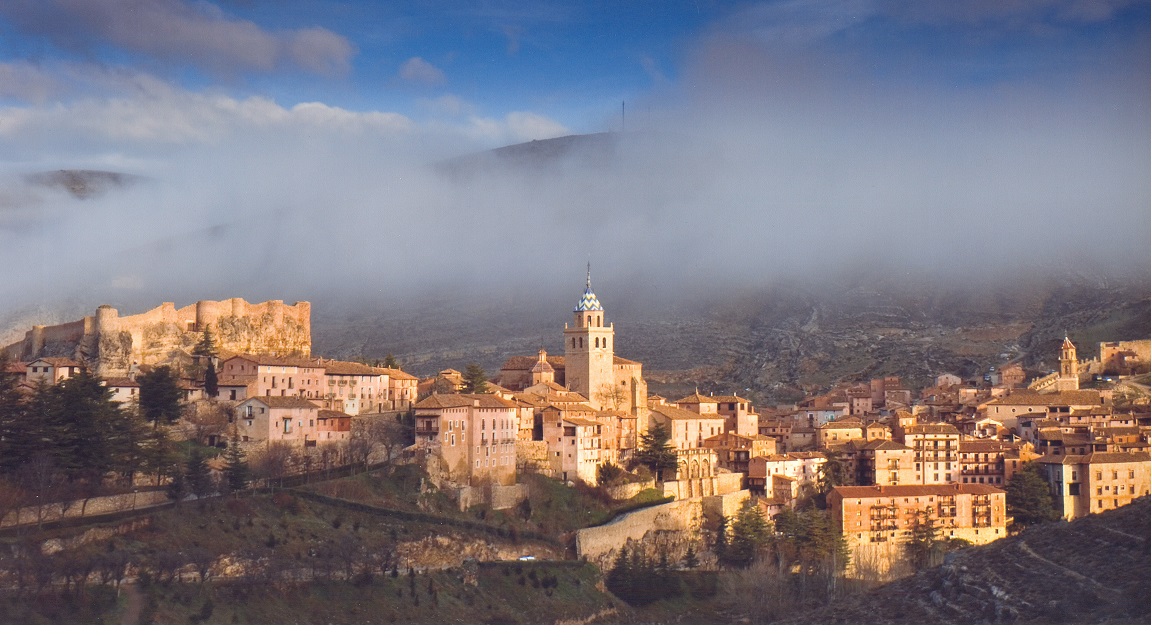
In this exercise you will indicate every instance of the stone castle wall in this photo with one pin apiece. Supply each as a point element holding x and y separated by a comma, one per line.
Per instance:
<point>1141,349</point>
<point>600,545</point>
<point>111,344</point>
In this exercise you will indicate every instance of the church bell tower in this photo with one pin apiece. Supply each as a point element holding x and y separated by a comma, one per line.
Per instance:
<point>1069,377</point>
<point>588,348</point>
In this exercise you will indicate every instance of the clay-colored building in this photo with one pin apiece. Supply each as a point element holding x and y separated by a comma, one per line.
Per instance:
<point>263,375</point>
<point>687,429</point>
<point>52,370</point>
<point>1096,482</point>
<point>739,415</point>
<point>839,431</point>
<point>876,520</point>
<point>734,451</point>
<point>275,419</point>
<point>473,434</point>
<point>991,462</point>
<point>937,451</point>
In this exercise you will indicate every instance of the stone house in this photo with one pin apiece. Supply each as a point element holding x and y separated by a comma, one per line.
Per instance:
<point>354,388</point>
<point>264,375</point>
<point>51,370</point>
<point>876,520</point>
<point>687,429</point>
<point>1096,482</point>
<point>275,419</point>
<point>739,415</point>
<point>840,430</point>
<point>474,435</point>
<point>937,451</point>
<point>991,462</point>
<point>734,451</point>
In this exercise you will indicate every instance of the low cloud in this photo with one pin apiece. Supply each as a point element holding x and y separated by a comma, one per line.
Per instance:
<point>420,71</point>
<point>179,32</point>
<point>757,164</point>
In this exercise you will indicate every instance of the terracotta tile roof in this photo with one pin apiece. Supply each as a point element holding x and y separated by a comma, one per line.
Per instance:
<point>1096,457</point>
<point>935,428</point>
<point>775,457</point>
<point>396,374</point>
<point>618,360</point>
<point>883,445</point>
<point>59,362</point>
<point>120,382</point>
<point>806,455</point>
<point>275,361</point>
<point>581,422</point>
<point>1059,398</point>
<point>675,413</point>
<point>284,402</point>
<point>342,368</point>
<point>908,491</point>
<point>530,399</point>
<point>452,400</point>
<point>986,446</point>
<point>325,414</point>
<point>730,399</point>
<point>696,398</point>
<point>525,363</point>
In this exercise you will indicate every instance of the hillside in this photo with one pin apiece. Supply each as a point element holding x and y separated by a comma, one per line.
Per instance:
<point>1089,571</point>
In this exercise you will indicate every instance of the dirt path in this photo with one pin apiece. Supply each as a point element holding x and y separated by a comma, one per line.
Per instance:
<point>134,606</point>
<point>1026,549</point>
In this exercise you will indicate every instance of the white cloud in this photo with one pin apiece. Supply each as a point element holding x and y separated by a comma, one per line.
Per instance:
<point>419,70</point>
<point>447,104</point>
<point>145,110</point>
<point>518,126</point>
<point>198,33</point>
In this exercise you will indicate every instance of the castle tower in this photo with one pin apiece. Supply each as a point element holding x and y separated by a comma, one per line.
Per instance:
<point>588,348</point>
<point>1069,378</point>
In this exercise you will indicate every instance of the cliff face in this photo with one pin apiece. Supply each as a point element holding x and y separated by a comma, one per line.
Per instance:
<point>110,344</point>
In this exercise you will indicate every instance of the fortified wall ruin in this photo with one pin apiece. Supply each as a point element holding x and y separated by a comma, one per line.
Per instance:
<point>110,344</point>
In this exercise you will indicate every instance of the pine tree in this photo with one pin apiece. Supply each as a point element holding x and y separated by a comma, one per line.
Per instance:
<point>475,379</point>
<point>750,534</point>
<point>922,543</point>
<point>236,472</point>
<point>199,476</point>
<point>14,423</point>
<point>160,396</point>
<point>1029,500</point>
<point>177,486</point>
<point>206,348</point>
<point>391,362</point>
<point>656,452</point>
<point>211,382</point>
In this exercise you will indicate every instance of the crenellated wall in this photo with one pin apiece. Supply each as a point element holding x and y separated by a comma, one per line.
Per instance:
<point>111,344</point>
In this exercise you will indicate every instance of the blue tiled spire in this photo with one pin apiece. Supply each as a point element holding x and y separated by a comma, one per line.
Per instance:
<point>588,301</point>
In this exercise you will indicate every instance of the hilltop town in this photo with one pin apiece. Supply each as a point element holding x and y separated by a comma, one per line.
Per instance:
<point>901,475</point>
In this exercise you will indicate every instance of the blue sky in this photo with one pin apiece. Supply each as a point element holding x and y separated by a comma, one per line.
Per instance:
<point>940,135</point>
<point>570,64</point>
